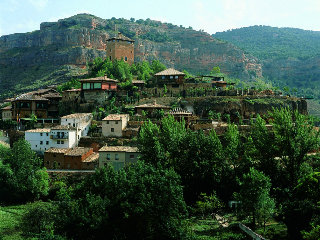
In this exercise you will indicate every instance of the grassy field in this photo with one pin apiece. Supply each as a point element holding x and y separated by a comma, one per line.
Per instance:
<point>9,222</point>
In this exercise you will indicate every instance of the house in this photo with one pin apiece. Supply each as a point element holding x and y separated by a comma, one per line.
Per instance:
<point>170,77</point>
<point>151,108</point>
<point>114,124</point>
<point>63,136</point>
<point>60,136</point>
<point>78,158</point>
<point>118,156</point>
<point>39,139</point>
<point>97,89</point>
<point>7,113</point>
<point>81,121</point>
<point>120,47</point>
<point>44,103</point>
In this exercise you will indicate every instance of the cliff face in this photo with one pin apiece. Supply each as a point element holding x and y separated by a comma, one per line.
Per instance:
<point>70,43</point>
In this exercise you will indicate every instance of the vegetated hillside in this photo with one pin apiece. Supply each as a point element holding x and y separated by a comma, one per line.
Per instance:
<point>60,50</point>
<point>290,56</point>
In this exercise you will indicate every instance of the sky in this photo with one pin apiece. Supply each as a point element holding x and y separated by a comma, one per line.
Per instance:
<point>19,16</point>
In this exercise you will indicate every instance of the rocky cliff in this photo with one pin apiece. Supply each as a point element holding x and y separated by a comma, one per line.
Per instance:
<point>60,50</point>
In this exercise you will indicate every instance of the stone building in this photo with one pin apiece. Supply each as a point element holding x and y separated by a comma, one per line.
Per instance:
<point>71,95</point>
<point>151,108</point>
<point>114,124</point>
<point>118,156</point>
<point>120,47</point>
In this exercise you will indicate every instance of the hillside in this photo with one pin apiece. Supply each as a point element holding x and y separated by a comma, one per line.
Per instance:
<point>60,50</point>
<point>289,56</point>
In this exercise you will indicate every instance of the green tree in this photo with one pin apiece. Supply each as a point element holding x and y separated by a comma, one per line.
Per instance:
<point>140,202</point>
<point>254,195</point>
<point>215,70</point>
<point>22,173</point>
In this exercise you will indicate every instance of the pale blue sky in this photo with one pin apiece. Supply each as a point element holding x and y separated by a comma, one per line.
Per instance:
<point>18,16</point>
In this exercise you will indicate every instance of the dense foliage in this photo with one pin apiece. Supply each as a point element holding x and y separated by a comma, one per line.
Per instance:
<point>267,42</point>
<point>22,177</point>
<point>122,71</point>
<point>140,202</point>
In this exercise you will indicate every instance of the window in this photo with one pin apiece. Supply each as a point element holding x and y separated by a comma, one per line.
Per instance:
<point>41,142</point>
<point>110,50</point>
<point>107,122</point>
<point>112,129</point>
<point>69,124</point>
<point>116,156</point>
<point>97,85</point>
<point>58,164</point>
<point>163,77</point>
<point>125,58</point>
<point>54,155</point>
<point>131,156</point>
<point>58,142</point>
<point>176,77</point>
<point>171,77</point>
<point>66,120</point>
<point>85,86</point>
<point>74,125</point>
<point>47,142</point>
<point>108,156</point>
<point>116,122</point>
<point>110,58</point>
<point>47,134</point>
<point>62,142</point>
<point>41,134</point>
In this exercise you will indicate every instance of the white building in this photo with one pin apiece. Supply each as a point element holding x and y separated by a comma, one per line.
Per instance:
<point>81,121</point>
<point>114,124</point>
<point>63,137</point>
<point>57,137</point>
<point>39,139</point>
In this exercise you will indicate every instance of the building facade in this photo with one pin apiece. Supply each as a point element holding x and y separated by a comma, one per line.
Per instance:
<point>114,124</point>
<point>81,121</point>
<point>78,158</point>
<point>120,47</point>
<point>43,139</point>
<point>118,156</point>
<point>97,89</point>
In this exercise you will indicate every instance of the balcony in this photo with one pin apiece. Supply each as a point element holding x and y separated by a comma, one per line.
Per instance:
<point>59,136</point>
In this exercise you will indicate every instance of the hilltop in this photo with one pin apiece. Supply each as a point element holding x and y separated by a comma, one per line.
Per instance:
<point>60,50</point>
<point>289,56</point>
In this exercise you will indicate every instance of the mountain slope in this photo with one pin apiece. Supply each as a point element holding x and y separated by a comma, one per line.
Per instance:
<point>60,50</point>
<point>267,42</point>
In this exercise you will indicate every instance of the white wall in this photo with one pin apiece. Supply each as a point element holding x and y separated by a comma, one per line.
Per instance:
<point>35,138</point>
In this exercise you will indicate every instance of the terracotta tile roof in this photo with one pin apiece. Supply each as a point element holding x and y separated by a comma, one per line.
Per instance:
<point>57,150</point>
<point>7,107</point>
<point>39,130</point>
<point>92,158</point>
<point>63,127</point>
<point>98,79</point>
<point>169,71</point>
<point>115,117</point>
<point>77,151</point>
<point>120,36</point>
<point>76,115</point>
<point>118,149</point>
